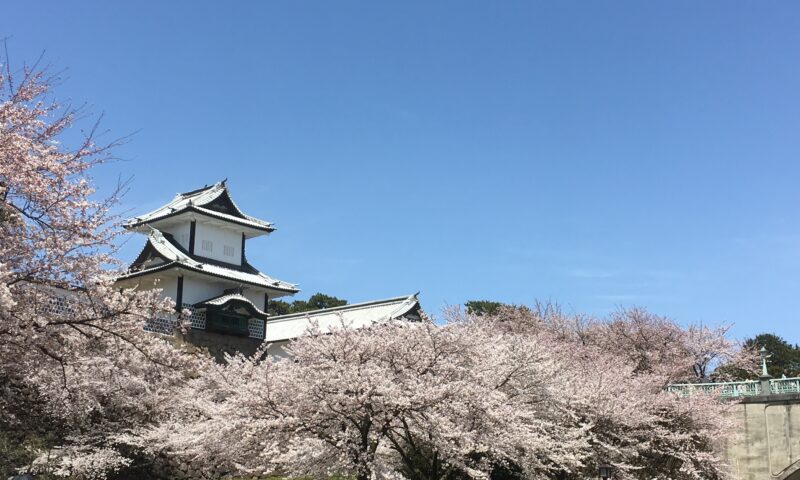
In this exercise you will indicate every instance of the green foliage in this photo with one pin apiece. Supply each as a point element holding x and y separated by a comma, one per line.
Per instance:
<point>320,300</point>
<point>315,302</point>
<point>483,307</point>
<point>18,449</point>
<point>13,453</point>
<point>785,359</point>
<point>278,307</point>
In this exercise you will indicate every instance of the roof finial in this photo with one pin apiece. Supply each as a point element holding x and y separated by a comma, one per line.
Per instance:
<point>223,181</point>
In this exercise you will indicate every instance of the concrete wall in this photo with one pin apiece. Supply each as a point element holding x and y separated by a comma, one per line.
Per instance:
<point>768,444</point>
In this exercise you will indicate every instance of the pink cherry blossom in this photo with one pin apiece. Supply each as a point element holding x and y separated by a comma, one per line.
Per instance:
<point>74,360</point>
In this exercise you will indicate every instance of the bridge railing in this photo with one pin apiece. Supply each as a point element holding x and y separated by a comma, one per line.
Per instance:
<point>784,385</point>
<point>746,388</point>
<point>727,389</point>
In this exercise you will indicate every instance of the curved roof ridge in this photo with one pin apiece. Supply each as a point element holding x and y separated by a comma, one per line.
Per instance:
<point>167,249</point>
<point>221,300</point>
<point>197,190</point>
<point>197,200</point>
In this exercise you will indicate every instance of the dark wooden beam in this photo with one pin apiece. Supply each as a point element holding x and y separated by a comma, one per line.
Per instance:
<point>243,238</point>
<point>266,301</point>
<point>179,295</point>
<point>192,227</point>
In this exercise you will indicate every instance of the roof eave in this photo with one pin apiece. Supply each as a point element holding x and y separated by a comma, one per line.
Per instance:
<point>136,224</point>
<point>146,271</point>
<point>191,268</point>
<point>238,280</point>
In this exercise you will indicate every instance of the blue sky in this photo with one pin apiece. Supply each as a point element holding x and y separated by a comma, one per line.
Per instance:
<point>597,154</point>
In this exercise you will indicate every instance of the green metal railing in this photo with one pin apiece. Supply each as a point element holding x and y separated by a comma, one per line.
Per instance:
<point>747,388</point>
<point>784,385</point>
<point>727,389</point>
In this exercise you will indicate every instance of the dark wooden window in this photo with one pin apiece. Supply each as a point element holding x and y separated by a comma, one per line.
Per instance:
<point>226,322</point>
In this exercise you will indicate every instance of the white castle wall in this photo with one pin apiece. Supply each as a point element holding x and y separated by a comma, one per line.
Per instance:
<point>169,287</point>
<point>219,238</point>
<point>196,290</point>
<point>256,296</point>
<point>180,232</point>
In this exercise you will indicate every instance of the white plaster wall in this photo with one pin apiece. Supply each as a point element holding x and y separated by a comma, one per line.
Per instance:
<point>219,238</point>
<point>196,290</point>
<point>181,233</point>
<point>255,295</point>
<point>277,350</point>
<point>168,286</point>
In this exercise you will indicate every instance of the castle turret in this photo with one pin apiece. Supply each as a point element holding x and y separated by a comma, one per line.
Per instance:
<point>195,253</point>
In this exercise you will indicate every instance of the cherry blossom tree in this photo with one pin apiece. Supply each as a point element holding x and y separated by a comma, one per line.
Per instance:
<point>717,357</point>
<point>75,363</point>
<point>638,427</point>
<point>619,367</point>
<point>411,399</point>
<point>659,345</point>
<point>476,397</point>
<point>654,343</point>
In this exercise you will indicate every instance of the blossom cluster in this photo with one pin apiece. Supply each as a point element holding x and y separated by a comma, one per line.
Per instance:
<point>75,364</point>
<point>523,392</point>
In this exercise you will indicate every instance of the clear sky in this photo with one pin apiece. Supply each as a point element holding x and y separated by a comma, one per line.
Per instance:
<point>596,154</point>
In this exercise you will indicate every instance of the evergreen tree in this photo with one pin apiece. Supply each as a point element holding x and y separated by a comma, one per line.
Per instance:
<point>315,302</point>
<point>278,307</point>
<point>320,300</point>
<point>785,357</point>
<point>483,307</point>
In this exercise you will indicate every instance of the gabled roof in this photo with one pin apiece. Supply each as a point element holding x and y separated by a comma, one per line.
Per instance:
<point>234,300</point>
<point>360,315</point>
<point>214,201</point>
<point>173,256</point>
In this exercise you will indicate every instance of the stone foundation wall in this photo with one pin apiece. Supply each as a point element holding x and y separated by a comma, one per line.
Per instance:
<point>218,344</point>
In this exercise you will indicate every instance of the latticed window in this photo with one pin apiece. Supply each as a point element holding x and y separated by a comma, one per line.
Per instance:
<point>256,328</point>
<point>207,246</point>
<point>197,319</point>
<point>228,251</point>
<point>57,305</point>
<point>163,326</point>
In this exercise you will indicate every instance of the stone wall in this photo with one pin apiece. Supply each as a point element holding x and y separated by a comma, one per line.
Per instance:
<point>218,344</point>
